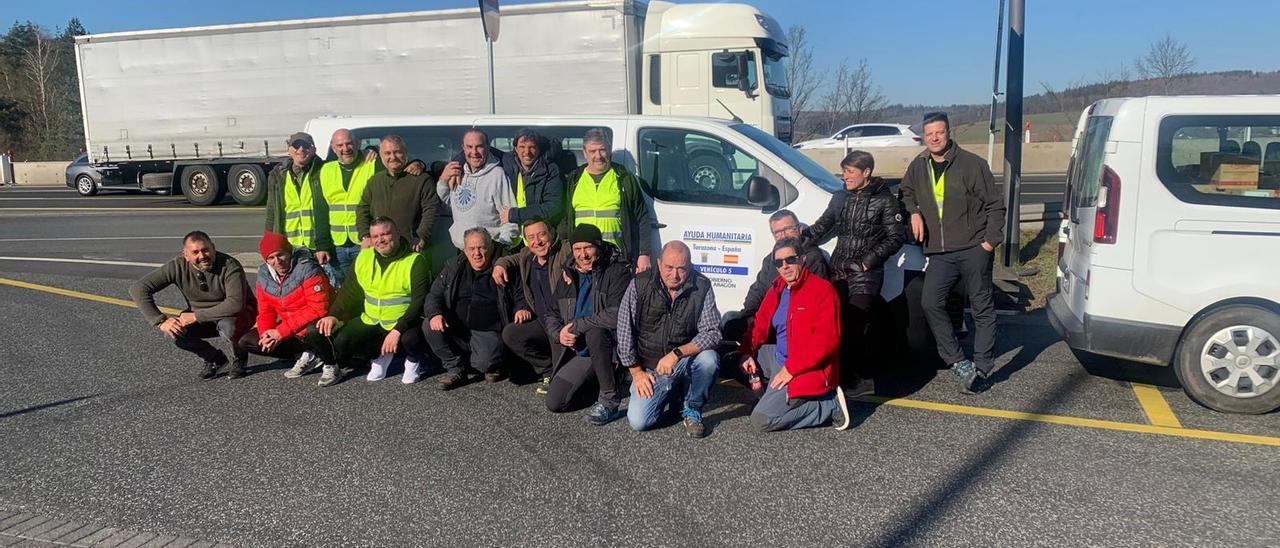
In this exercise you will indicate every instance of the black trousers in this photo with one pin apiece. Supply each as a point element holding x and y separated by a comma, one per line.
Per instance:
<point>529,342</point>
<point>971,269</point>
<point>356,340</point>
<point>597,368</point>
<point>228,329</point>
<point>284,350</point>
<point>459,348</point>
<point>857,312</point>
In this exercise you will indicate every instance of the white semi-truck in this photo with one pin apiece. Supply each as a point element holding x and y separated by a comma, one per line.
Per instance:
<point>205,111</point>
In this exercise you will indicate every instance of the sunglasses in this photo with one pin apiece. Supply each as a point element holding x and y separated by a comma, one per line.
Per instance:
<point>300,145</point>
<point>793,259</point>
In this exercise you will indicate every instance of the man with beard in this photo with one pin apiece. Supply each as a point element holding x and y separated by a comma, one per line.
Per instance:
<point>219,303</point>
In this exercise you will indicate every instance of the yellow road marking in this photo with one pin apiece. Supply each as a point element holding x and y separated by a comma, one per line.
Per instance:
<point>1076,421</point>
<point>1155,406</point>
<point>78,294</point>
<point>898,402</point>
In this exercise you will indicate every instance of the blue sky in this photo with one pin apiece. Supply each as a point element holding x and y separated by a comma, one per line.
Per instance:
<point>935,52</point>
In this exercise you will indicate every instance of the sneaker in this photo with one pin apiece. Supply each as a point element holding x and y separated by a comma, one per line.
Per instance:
<point>863,387</point>
<point>307,362</point>
<point>544,386</point>
<point>237,369</point>
<point>601,414</point>
<point>840,418</point>
<point>328,375</point>
<point>492,377</point>
<point>410,371</point>
<point>452,380</point>
<point>378,367</point>
<point>967,374</point>
<point>693,422</point>
<point>210,369</point>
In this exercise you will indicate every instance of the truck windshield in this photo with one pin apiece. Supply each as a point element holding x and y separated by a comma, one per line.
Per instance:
<point>802,163</point>
<point>775,74</point>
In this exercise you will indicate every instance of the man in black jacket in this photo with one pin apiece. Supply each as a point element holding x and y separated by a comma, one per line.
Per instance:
<point>783,224</point>
<point>956,211</point>
<point>866,220</point>
<point>467,311</point>
<point>583,323</point>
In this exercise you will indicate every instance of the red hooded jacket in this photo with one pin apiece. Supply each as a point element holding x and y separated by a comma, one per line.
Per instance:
<point>292,304</point>
<point>813,334</point>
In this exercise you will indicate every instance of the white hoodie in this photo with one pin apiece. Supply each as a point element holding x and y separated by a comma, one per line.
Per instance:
<point>478,200</point>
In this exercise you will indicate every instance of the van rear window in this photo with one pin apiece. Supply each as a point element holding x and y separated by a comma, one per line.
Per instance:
<point>1229,160</point>
<point>1086,167</point>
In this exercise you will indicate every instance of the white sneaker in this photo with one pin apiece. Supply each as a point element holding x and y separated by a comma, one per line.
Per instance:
<point>306,363</point>
<point>378,367</point>
<point>410,371</point>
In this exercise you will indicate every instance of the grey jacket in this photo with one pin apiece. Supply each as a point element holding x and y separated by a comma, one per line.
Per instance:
<point>478,200</point>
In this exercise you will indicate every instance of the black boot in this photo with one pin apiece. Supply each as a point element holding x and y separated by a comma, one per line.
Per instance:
<point>237,369</point>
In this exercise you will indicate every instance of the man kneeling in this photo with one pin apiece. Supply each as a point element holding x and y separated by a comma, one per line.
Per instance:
<point>583,322</point>
<point>803,313</point>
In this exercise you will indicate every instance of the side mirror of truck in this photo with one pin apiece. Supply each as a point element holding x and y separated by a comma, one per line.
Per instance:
<point>761,193</point>
<point>745,67</point>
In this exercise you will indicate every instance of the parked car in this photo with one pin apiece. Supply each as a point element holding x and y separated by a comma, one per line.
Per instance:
<point>867,136</point>
<point>1169,249</point>
<point>84,177</point>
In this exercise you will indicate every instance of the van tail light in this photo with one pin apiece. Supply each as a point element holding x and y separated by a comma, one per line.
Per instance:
<point>1106,217</point>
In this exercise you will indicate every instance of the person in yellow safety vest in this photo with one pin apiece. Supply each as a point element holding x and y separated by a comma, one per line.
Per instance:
<point>605,194</point>
<point>378,312</point>
<point>343,184</point>
<point>295,203</point>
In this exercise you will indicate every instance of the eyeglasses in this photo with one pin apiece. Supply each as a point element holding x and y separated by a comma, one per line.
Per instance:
<point>787,228</point>
<point>791,259</point>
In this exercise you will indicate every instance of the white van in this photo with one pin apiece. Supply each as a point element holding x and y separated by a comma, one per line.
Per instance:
<point>1170,253</point>
<point>711,183</point>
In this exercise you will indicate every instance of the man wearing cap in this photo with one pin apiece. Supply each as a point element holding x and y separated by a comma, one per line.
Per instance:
<point>582,324</point>
<point>295,202</point>
<point>219,303</point>
<point>534,270</point>
<point>605,194</point>
<point>292,293</point>
<point>407,199</point>
<point>378,311</point>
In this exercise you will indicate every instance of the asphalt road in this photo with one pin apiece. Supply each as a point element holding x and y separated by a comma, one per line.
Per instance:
<point>103,421</point>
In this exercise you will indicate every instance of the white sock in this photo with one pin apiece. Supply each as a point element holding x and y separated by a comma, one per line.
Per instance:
<point>378,367</point>
<point>410,371</point>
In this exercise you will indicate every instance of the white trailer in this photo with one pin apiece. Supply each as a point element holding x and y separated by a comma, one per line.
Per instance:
<point>206,110</point>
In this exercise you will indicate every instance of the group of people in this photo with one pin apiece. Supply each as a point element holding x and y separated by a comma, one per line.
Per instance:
<point>554,275</point>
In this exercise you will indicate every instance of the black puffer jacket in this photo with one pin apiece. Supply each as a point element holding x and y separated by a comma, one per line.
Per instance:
<point>867,224</point>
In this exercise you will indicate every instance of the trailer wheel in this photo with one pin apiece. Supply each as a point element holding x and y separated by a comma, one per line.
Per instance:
<point>247,184</point>
<point>85,185</point>
<point>201,186</point>
<point>710,172</point>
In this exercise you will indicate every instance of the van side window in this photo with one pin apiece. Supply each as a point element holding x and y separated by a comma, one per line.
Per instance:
<point>694,168</point>
<point>1229,160</point>
<point>429,144</point>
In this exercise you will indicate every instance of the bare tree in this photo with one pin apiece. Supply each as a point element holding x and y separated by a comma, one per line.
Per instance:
<point>1166,60</point>
<point>853,97</point>
<point>39,65</point>
<point>801,76</point>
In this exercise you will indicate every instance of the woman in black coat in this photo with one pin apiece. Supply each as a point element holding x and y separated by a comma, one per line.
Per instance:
<point>866,220</point>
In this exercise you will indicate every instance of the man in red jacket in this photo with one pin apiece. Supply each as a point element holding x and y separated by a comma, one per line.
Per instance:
<point>293,292</point>
<point>803,313</point>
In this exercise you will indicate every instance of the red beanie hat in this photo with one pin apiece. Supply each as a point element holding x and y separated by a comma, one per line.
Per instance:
<point>273,242</point>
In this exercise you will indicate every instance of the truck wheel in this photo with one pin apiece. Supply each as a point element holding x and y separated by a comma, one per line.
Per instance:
<point>247,184</point>
<point>1229,360</point>
<point>85,185</point>
<point>201,186</point>
<point>710,172</point>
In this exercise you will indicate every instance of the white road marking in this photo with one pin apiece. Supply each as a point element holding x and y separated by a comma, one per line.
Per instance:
<point>250,237</point>
<point>79,261</point>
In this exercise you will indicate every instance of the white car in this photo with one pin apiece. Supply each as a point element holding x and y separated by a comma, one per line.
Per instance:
<point>867,136</point>
<point>1170,249</point>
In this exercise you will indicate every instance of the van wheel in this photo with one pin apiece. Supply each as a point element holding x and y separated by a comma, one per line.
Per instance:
<point>247,184</point>
<point>710,172</point>
<point>201,186</point>
<point>1229,361</point>
<point>85,185</point>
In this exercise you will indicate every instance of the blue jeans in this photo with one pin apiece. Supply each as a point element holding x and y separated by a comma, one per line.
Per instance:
<point>777,411</point>
<point>698,373</point>
<point>336,269</point>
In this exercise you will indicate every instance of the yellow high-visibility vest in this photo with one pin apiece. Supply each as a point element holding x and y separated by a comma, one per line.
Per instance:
<point>343,202</point>
<point>387,291</point>
<point>600,205</point>
<point>298,225</point>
